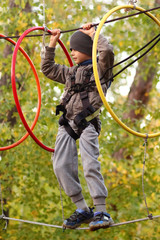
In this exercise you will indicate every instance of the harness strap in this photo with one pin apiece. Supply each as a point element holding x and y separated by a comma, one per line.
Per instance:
<point>64,122</point>
<point>95,124</point>
<point>67,98</point>
<point>87,115</point>
<point>60,108</point>
<point>93,115</point>
<point>80,119</point>
<point>83,115</point>
<point>84,99</point>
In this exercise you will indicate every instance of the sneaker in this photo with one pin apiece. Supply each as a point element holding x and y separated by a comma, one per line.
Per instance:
<point>101,220</point>
<point>78,217</point>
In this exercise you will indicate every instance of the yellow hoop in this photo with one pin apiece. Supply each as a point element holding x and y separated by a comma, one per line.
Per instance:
<point>94,58</point>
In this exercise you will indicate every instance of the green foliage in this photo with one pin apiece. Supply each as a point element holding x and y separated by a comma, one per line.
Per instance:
<point>29,186</point>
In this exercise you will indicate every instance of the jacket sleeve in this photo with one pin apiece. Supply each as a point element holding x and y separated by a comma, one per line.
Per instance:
<point>105,55</point>
<point>52,70</point>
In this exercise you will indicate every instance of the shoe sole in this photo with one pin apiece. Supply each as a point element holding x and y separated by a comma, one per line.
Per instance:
<point>99,226</point>
<point>77,225</point>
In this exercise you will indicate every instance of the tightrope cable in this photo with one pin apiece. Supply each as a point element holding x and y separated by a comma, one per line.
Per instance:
<point>85,228</point>
<point>150,217</point>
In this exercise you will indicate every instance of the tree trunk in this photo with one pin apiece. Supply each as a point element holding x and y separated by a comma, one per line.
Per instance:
<point>140,89</point>
<point>139,92</point>
<point>139,95</point>
<point>157,2</point>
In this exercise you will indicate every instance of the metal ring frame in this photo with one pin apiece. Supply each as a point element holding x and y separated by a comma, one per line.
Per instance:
<point>94,58</point>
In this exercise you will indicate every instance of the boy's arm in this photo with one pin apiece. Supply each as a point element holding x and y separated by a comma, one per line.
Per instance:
<point>105,50</point>
<point>49,68</point>
<point>106,54</point>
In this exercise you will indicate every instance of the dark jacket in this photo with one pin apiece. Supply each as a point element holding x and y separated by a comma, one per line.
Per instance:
<point>62,74</point>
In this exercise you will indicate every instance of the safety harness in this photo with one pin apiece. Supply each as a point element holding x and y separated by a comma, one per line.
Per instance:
<point>89,114</point>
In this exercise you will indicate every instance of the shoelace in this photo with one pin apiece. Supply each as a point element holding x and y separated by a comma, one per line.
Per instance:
<point>99,216</point>
<point>74,216</point>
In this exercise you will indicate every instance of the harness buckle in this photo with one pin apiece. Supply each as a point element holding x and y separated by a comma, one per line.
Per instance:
<point>60,108</point>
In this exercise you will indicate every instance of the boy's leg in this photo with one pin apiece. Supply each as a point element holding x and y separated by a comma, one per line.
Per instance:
<point>65,163</point>
<point>89,148</point>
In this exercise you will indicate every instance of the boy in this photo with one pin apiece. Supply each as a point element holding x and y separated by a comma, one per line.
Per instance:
<point>80,106</point>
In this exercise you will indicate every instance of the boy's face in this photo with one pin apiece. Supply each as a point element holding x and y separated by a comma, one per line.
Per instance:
<point>79,56</point>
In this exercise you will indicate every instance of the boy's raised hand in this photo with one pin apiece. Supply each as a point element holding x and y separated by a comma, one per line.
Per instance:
<point>88,29</point>
<point>54,37</point>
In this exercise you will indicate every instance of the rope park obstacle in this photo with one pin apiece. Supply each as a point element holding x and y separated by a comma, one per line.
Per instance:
<point>29,131</point>
<point>98,84</point>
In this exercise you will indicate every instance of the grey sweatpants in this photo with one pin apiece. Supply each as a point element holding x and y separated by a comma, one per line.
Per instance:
<point>65,164</point>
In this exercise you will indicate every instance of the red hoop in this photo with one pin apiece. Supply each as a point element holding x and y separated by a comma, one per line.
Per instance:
<point>39,97</point>
<point>14,83</point>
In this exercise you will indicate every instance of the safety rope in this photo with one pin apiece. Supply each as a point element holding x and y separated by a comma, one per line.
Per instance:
<point>133,3</point>
<point>94,25</point>
<point>136,59</point>
<point>60,190</point>
<point>1,198</point>
<point>43,56</point>
<point>3,215</point>
<point>116,74</point>
<point>144,161</point>
<point>44,14</point>
<point>44,32</point>
<point>132,55</point>
<point>44,23</point>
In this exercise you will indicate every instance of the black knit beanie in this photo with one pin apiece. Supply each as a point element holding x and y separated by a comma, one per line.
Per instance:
<point>81,42</point>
